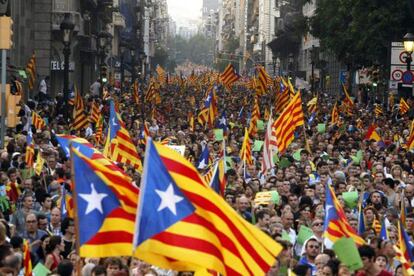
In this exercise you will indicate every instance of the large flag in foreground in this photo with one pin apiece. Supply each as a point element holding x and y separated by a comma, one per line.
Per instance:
<point>106,206</point>
<point>336,225</point>
<point>119,146</point>
<point>288,121</point>
<point>182,224</point>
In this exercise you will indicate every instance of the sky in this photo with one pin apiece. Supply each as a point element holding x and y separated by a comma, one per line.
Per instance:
<point>183,11</point>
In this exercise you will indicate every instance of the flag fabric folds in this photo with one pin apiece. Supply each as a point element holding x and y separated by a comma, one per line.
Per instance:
<point>246,150</point>
<point>80,119</point>
<point>204,160</point>
<point>31,71</point>
<point>229,76</point>
<point>218,179</point>
<point>378,110</point>
<point>269,146</point>
<point>335,115</point>
<point>27,261</point>
<point>95,111</point>
<point>106,204</point>
<point>119,146</point>
<point>372,134</point>
<point>282,98</point>
<point>30,151</point>
<point>161,74</point>
<point>38,121</point>
<point>254,118</point>
<point>263,80</point>
<point>336,225</point>
<point>207,114</point>
<point>195,229</point>
<point>404,107</point>
<point>287,122</point>
<point>312,105</point>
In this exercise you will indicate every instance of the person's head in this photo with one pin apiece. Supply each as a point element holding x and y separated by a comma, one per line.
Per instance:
<point>287,219</point>
<point>55,216</point>
<point>42,221</point>
<point>28,201</point>
<point>321,260</point>
<point>65,268</point>
<point>98,270</point>
<point>243,204</point>
<point>367,254</point>
<point>28,184</point>
<point>67,226</point>
<point>31,223</point>
<point>381,261</point>
<point>112,266</point>
<point>263,219</point>
<point>55,242</point>
<point>293,201</point>
<point>46,202</point>
<point>312,248</point>
<point>317,226</point>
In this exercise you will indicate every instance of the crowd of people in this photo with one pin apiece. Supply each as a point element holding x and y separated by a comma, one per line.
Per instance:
<point>381,172</point>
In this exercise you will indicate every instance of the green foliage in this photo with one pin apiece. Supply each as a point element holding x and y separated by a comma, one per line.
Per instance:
<point>198,49</point>
<point>360,32</point>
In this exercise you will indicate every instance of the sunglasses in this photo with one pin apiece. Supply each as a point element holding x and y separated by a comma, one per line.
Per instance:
<point>318,224</point>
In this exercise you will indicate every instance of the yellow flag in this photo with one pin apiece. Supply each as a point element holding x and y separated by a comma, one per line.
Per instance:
<point>39,164</point>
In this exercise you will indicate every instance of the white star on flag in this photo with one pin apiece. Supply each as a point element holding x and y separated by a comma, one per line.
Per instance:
<point>202,164</point>
<point>113,122</point>
<point>94,200</point>
<point>168,199</point>
<point>222,121</point>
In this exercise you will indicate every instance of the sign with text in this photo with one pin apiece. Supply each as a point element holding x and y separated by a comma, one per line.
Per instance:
<point>56,65</point>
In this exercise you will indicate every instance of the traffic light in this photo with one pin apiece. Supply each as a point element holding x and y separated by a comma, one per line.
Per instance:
<point>6,32</point>
<point>104,74</point>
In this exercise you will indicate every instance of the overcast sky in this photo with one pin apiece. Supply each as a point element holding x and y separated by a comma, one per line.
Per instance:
<point>183,11</point>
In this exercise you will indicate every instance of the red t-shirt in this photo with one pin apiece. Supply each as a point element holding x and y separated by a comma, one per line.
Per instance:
<point>382,273</point>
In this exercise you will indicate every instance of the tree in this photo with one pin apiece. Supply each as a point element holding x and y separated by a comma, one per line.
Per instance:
<point>360,32</point>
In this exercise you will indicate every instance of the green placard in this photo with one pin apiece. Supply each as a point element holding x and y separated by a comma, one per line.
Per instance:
<point>275,197</point>
<point>40,270</point>
<point>284,163</point>
<point>321,128</point>
<point>218,134</point>
<point>304,234</point>
<point>351,199</point>
<point>260,125</point>
<point>257,146</point>
<point>347,253</point>
<point>23,74</point>
<point>296,154</point>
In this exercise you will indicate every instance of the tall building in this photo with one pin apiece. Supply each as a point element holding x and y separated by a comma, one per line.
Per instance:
<point>208,6</point>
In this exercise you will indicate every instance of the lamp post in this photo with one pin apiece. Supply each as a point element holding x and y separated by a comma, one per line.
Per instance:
<point>408,40</point>
<point>290,64</point>
<point>122,47</point>
<point>104,39</point>
<point>133,62</point>
<point>313,60</point>
<point>274,64</point>
<point>66,27</point>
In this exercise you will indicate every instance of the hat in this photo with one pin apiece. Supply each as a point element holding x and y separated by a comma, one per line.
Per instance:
<point>15,154</point>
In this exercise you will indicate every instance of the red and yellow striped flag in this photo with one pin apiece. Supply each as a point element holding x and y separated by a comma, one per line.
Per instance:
<point>282,100</point>
<point>410,140</point>
<point>31,71</point>
<point>94,117</point>
<point>404,107</point>
<point>254,118</point>
<point>38,121</point>
<point>229,76</point>
<point>202,232</point>
<point>136,92</point>
<point>27,261</point>
<point>263,80</point>
<point>287,122</point>
<point>335,115</point>
<point>246,151</point>
<point>161,74</point>
<point>80,120</point>
<point>312,105</point>
<point>99,131</point>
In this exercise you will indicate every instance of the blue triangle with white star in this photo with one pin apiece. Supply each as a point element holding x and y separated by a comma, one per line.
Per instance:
<point>95,200</point>
<point>162,203</point>
<point>204,158</point>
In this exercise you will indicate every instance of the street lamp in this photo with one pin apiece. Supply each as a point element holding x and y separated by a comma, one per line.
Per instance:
<point>66,27</point>
<point>290,65</point>
<point>408,40</point>
<point>274,64</point>
<point>122,47</point>
<point>104,39</point>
